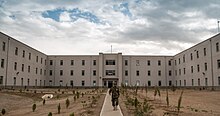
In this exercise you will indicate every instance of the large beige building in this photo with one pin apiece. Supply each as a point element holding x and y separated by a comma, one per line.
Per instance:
<point>22,65</point>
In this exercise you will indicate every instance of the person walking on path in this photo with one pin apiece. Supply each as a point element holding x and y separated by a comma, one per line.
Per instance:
<point>114,91</point>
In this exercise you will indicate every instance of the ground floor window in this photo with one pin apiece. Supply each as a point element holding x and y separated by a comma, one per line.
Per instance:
<point>28,82</point>
<point>184,82</point>
<point>22,81</point>
<point>50,82</point>
<point>206,81</point>
<point>1,80</point>
<point>71,83</point>
<point>192,82</point>
<point>137,83</point>
<point>61,82</point>
<point>159,83</point>
<point>198,81</point>
<point>44,83</point>
<point>126,82</point>
<point>14,80</point>
<point>170,83</point>
<point>94,83</point>
<point>219,80</point>
<point>40,82</point>
<point>149,83</point>
<point>180,82</point>
<point>83,83</point>
<point>35,82</point>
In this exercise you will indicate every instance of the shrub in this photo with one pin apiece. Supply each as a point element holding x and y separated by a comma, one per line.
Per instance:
<point>179,101</point>
<point>44,102</point>
<point>34,107</point>
<point>50,114</point>
<point>58,108</point>
<point>72,114</point>
<point>3,111</point>
<point>67,103</point>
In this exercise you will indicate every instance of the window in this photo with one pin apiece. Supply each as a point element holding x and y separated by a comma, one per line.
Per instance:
<point>148,73</point>
<point>126,72</point>
<point>206,81</point>
<point>110,62</point>
<point>170,73</point>
<point>179,60</point>
<point>184,71</point>
<point>170,83</point>
<point>36,58</point>
<point>61,82</point>
<point>175,62</point>
<point>72,62</point>
<point>126,82</point>
<point>22,67</point>
<point>159,83</point>
<point>198,81</point>
<point>148,62</point>
<point>191,56</point>
<point>94,83</point>
<point>14,80</point>
<point>83,62</point>
<point>22,80</point>
<point>217,47</point>
<point>61,62</point>
<point>29,69</point>
<point>51,62</point>
<point>29,56</point>
<point>184,82</point>
<point>1,80</point>
<point>179,71</point>
<point>204,50</point>
<point>36,70</point>
<point>191,69</point>
<point>15,66</point>
<point>41,60</point>
<point>51,72</point>
<point>159,73</point>
<point>2,63</point>
<point>71,83</point>
<point>35,82</point>
<point>219,81</point>
<point>71,72</point>
<point>61,72</point>
<point>184,59</point>
<point>110,72</point>
<point>16,51</point>
<point>218,61</point>
<point>45,62</point>
<point>3,46</point>
<point>137,73</point>
<point>94,72</point>
<point>176,72</point>
<point>137,63</point>
<point>126,62</point>
<point>149,83</point>
<point>41,72</point>
<point>169,63</point>
<point>206,67</point>
<point>180,82</point>
<point>198,69</point>
<point>159,62</point>
<point>23,55</point>
<point>192,82</point>
<point>138,83</point>
<point>94,62</point>
<point>83,72</point>
<point>83,83</point>
<point>197,54</point>
<point>45,72</point>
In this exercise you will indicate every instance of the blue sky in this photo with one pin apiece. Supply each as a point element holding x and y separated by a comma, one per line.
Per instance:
<point>136,27</point>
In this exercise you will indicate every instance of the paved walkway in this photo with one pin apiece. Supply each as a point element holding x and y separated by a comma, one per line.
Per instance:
<point>107,109</point>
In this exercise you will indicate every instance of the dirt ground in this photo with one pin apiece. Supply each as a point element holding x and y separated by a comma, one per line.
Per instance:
<point>194,103</point>
<point>19,103</point>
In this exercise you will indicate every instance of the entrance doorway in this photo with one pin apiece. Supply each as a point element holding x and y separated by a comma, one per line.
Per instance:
<point>110,84</point>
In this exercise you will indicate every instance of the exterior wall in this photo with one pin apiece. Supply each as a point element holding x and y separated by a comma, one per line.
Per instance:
<point>174,70</point>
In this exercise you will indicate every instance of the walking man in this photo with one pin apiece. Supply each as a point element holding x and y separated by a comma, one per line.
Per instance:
<point>114,91</point>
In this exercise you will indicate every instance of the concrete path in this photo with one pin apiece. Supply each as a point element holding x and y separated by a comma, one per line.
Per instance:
<point>107,109</point>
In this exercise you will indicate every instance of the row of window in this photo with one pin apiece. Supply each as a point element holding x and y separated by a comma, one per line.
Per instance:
<point>148,73</point>
<point>148,63</point>
<point>72,62</point>
<point>192,82</point>
<point>28,69</point>
<point>28,82</point>
<point>197,54</point>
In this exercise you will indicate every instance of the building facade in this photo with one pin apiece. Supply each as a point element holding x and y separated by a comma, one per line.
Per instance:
<point>22,65</point>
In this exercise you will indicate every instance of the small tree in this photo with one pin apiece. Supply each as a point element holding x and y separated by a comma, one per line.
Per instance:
<point>50,114</point>
<point>58,108</point>
<point>179,101</point>
<point>72,114</point>
<point>67,103</point>
<point>167,98</point>
<point>44,102</point>
<point>3,111</point>
<point>34,107</point>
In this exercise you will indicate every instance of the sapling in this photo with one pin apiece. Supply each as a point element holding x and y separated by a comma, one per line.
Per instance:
<point>50,114</point>
<point>67,103</point>
<point>72,114</point>
<point>179,101</point>
<point>3,111</point>
<point>167,98</point>
<point>44,102</point>
<point>34,107</point>
<point>58,108</point>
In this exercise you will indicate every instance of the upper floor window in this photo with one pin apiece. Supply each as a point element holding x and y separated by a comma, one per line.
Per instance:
<point>2,63</point>
<point>137,72</point>
<point>61,72</point>
<point>148,62</point>
<point>51,62</point>
<point>204,50</point>
<point>159,73</point>
<point>15,66</point>
<point>191,56</point>
<point>206,67</point>
<point>198,69</point>
<point>83,72</point>
<point>169,63</point>
<point>36,58</point>
<point>41,60</point>
<point>110,72</point>
<point>61,62</point>
<point>159,62</point>
<point>137,63</point>
<point>22,67</point>
<point>94,62</point>
<point>71,72</point>
<point>126,72</point>
<point>175,62</point>
<point>83,62</point>
<point>110,62</point>
<point>51,72</point>
<point>126,62</point>
<point>191,69</point>
<point>94,72</point>
<point>197,54</point>
<point>170,73</point>
<point>184,59</point>
<point>217,47</point>
<point>179,60</point>
<point>3,46</point>
<point>72,62</point>
<point>218,63</point>
<point>23,55</point>
<point>29,68</point>
<point>29,57</point>
<point>16,51</point>
<point>148,73</point>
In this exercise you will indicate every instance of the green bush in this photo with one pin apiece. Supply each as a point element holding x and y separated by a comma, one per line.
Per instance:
<point>72,114</point>
<point>50,114</point>
<point>3,111</point>
<point>34,107</point>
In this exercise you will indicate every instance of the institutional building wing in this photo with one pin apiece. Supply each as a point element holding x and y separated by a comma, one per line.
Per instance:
<point>22,65</point>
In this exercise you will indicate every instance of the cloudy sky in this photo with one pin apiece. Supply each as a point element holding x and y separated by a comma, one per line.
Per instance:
<point>133,27</point>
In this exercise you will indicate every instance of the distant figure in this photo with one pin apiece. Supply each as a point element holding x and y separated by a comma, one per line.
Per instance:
<point>115,95</point>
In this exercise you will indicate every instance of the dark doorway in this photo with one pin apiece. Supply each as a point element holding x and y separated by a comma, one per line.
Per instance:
<point>110,84</point>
